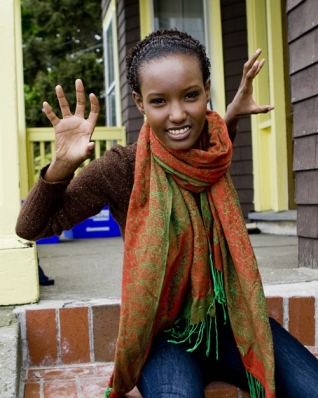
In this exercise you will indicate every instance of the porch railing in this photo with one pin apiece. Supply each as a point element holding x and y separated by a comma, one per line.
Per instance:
<point>41,146</point>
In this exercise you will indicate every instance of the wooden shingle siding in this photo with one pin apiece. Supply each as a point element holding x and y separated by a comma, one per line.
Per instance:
<point>306,153</point>
<point>305,83</point>
<point>292,4</point>
<point>303,49</point>
<point>306,46</point>
<point>302,19</point>
<point>128,35</point>
<point>235,54</point>
<point>306,187</point>
<point>304,122</point>
<point>308,252</point>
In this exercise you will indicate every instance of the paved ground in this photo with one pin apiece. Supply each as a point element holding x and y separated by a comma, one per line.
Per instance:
<point>87,269</point>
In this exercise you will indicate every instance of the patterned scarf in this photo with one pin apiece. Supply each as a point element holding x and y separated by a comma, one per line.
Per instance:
<point>180,260</point>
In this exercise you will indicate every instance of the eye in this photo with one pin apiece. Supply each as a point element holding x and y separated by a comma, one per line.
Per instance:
<point>157,101</point>
<point>192,95</point>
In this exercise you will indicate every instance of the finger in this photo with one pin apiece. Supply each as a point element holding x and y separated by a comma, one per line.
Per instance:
<point>80,98</point>
<point>50,114</point>
<point>90,149</point>
<point>260,66</point>
<point>256,67</point>
<point>251,61</point>
<point>90,146</point>
<point>263,109</point>
<point>65,109</point>
<point>95,108</point>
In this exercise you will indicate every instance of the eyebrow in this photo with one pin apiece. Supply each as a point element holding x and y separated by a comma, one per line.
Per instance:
<point>186,89</point>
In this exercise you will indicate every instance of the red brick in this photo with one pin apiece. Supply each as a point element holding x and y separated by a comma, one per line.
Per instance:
<point>32,390</point>
<point>219,389</point>
<point>74,337</point>
<point>60,389</point>
<point>275,308</point>
<point>302,319</point>
<point>41,337</point>
<point>105,369</point>
<point>61,373</point>
<point>94,387</point>
<point>105,330</point>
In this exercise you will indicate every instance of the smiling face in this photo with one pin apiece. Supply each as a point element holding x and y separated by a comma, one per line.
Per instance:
<point>174,99</point>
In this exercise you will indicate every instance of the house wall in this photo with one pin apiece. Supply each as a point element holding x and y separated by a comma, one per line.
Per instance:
<point>128,25</point>
<point>302,17</point>
<point>235,53</point>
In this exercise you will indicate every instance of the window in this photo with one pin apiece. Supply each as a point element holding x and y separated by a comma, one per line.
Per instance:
<point>111,70</point>
<point>185,15</point>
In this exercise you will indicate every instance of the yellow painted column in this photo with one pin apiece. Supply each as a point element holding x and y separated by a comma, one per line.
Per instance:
<point>264,25</point>
<point>18,264</point>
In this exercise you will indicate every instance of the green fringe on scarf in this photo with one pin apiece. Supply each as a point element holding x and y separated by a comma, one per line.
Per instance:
<point>178,262</point>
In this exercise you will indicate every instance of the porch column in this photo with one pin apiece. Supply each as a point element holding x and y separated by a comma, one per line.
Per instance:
<point>18,264</point>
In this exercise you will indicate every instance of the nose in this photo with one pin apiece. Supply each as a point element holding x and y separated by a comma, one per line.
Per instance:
<point>177,113</point>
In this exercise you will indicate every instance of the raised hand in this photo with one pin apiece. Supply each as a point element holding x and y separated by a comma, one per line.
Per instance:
<point>243,103</point>
<point>72,133</point>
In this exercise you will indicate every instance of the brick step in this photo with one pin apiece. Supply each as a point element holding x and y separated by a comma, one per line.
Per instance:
<point>90,380</point>
<point>71,347</point>
<point>87,332</point>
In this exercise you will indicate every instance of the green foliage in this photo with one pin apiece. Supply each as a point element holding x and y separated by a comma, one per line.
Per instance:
<point>62,41</point>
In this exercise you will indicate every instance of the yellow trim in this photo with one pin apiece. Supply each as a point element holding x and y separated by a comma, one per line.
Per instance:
<point>264,24</point>
<point>20,103</point>
<point>18,264</point>
<point>216,57</point>
<point>42,135</point>
<point>146,18</point>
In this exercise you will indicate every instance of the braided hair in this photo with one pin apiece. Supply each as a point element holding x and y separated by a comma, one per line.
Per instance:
<point>162,43</point>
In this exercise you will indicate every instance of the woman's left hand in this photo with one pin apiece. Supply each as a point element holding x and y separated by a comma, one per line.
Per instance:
<point>243,103</point>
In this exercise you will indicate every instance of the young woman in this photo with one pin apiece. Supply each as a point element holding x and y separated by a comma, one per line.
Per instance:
<point>193,307</point>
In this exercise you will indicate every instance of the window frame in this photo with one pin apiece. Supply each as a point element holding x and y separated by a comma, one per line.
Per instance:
<point>110,18</point>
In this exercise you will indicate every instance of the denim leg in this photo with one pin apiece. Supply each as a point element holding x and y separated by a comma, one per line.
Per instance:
<point>170,371</point>
<point>296,369</point>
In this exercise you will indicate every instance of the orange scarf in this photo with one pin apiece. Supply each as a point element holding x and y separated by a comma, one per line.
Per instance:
<point>180,261</point>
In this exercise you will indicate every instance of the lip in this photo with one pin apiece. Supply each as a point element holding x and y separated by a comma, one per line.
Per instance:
<point>182,136</point>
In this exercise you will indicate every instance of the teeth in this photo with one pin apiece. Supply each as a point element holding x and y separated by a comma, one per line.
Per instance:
<point>180,131</point>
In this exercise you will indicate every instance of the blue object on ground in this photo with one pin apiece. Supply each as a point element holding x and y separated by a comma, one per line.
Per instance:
<point>45,241</point>
<point>100,226</point>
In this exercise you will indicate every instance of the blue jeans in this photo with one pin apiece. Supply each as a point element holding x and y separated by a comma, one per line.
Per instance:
<point>171,371</point>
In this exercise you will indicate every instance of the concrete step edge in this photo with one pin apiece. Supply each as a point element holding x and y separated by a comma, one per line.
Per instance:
<point>10,359</point>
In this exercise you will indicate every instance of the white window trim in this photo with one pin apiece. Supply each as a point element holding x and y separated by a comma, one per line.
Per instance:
<point>111,16</point>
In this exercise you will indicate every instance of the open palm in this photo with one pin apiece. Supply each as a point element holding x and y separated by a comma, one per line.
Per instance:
<point>73,132</point>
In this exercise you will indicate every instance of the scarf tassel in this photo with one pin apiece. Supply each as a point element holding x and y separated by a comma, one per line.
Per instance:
<point>198,330</point>
<point>255,387</point>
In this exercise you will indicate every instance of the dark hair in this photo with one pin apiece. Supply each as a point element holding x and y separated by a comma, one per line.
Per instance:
<point>162,43</point>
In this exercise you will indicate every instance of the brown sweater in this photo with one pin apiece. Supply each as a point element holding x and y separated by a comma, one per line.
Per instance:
<point>51,208</point>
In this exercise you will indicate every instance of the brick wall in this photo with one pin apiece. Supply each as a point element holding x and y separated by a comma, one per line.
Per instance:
<point>235,54</point>
<point>87,334</point>
<point>302,17</point>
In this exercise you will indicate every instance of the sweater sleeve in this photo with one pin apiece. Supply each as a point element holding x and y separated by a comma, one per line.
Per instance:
<point>51,208</point>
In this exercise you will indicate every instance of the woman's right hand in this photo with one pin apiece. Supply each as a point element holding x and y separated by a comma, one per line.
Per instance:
<point>72,133</point>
